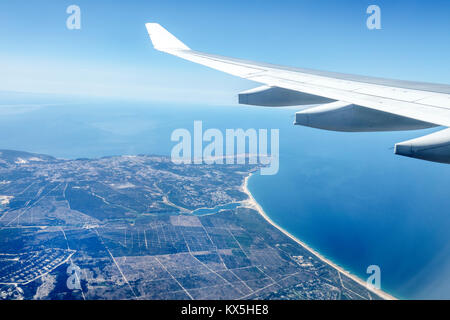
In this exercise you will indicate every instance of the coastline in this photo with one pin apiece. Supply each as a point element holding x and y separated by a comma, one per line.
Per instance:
<point>251,202</point>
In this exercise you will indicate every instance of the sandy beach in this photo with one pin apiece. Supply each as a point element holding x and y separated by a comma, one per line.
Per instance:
<point>251,202</point>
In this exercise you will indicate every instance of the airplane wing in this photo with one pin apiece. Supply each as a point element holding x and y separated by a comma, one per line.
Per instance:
<point>349,102</point>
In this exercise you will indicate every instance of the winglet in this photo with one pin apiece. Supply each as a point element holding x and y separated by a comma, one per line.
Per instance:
<point>162,39</point>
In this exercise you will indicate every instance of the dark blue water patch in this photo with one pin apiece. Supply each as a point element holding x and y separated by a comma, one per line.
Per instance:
<point>374,209</point>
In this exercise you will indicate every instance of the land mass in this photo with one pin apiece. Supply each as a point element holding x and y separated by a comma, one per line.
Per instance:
<point>142,227</point>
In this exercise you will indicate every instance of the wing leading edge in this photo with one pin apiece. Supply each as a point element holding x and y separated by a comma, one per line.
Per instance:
<point>422,105</point>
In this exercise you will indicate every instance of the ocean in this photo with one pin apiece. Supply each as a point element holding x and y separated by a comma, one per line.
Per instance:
<point>344,194</point>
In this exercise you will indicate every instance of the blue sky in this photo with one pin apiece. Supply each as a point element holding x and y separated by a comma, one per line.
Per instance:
<point>111,55</point>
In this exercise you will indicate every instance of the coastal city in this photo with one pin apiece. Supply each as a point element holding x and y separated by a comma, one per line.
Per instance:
<point>142,227</point>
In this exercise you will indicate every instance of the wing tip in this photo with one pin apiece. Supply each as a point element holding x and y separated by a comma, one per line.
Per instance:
<point>162,39</point>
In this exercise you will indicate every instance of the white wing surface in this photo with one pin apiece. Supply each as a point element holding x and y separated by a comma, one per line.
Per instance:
<point>422,104</point>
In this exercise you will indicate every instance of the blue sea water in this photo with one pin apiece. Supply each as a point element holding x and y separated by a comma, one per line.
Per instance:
<point>346,195</point>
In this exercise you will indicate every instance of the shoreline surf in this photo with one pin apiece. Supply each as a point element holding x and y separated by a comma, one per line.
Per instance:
<point>251,202</point>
